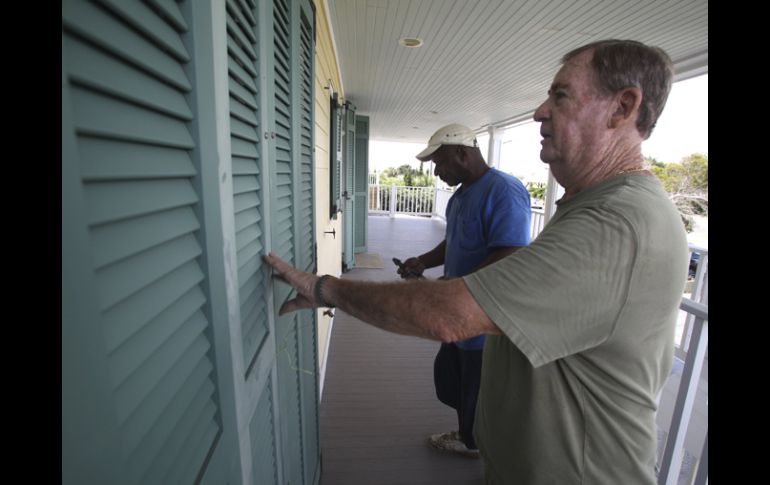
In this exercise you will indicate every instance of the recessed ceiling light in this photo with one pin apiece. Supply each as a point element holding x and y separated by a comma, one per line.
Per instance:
<point>410,42</point>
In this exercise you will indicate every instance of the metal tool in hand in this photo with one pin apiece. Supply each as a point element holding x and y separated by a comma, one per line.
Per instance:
<point>407,272</point>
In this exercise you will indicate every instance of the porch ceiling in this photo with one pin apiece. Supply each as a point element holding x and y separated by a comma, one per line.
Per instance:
<point>488,62</point>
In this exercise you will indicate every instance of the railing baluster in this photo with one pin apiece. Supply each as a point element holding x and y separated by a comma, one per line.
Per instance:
<point>702,477</point>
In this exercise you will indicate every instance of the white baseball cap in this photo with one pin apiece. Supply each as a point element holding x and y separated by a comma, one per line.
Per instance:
<point>453,134</point>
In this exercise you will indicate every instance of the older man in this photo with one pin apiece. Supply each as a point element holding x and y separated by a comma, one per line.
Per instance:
<point>580,323</point>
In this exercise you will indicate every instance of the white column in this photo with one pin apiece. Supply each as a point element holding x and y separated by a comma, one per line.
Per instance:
<point>493,149</point>
<point>553,192</point>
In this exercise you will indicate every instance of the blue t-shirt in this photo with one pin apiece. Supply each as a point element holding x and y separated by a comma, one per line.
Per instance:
<point>492,212</point>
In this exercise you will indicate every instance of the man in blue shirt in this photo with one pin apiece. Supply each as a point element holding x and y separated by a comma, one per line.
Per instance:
<point>488,218</point>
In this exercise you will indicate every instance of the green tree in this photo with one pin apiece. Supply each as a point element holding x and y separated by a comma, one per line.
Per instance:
<point>686,183</point>
<point>536,190</point>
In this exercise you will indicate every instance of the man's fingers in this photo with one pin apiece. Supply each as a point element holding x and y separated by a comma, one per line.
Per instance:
<point>277,263</point>
<point>298,303</point>
<point>288,307</point>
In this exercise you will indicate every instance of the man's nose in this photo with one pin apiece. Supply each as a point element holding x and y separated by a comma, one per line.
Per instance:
<point>542,112</point>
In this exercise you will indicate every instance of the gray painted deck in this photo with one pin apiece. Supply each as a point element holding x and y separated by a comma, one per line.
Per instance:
<point>379,403</point>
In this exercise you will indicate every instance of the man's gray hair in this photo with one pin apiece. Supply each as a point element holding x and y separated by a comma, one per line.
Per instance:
<point>620,64</point>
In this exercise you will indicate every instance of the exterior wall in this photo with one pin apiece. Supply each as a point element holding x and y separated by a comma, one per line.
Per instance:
<point>329,247</point>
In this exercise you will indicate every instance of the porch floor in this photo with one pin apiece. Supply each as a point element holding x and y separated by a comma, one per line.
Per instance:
<point>379,405</point>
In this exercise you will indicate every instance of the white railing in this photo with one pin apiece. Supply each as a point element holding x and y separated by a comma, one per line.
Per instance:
<point>691,347</point>
<point>424,201</point>
<point>537,222</point>
<point>442,199</point>
<point>416,201</point>
<point>697,348</point>
<point>698,289</point>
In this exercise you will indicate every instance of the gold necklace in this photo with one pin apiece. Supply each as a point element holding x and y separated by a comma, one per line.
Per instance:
<point>631,170</point>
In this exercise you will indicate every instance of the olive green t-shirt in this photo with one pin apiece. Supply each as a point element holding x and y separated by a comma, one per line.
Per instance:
<point>588,313</point>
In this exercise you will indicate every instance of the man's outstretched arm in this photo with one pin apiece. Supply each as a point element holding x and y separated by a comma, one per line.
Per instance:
<point>436,310</point>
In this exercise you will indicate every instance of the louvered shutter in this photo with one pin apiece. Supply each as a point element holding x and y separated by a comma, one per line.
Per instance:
<point>348,259</point>
<point>335,157</point>
<point>283,235</point>
<point>127,116</point>
<point>306,230</point>
<point>245,144</point>
<point>307,344</point>
<point>361,202</point>
<point>283,169</point>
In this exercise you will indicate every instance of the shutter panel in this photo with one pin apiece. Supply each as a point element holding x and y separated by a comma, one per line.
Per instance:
<point>243,70</point>
<point>335,158</point>
<point>305,98</point>
<point>307,359</point>
<point>283,244</point>
<point>283,173</point>
<point>127,83</point>
<point>348,260</point>
<point>361,205</point>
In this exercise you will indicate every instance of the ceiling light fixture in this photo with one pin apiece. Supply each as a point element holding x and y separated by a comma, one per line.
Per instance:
<point>410,42</point>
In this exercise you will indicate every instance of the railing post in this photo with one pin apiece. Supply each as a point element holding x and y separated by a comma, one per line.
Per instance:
<point>379,204</point>
<point>700,291</point>
<point>553,192</point>
<point>392,200</point>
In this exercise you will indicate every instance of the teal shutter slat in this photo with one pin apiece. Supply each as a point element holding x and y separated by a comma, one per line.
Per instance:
<point>141,18</point>
<point>239,38</point>
<point>100,27</point>
<point>128,358</point>
<point>108,117</point>
<point>132,314</point>
<point>262,433</point>
<point>245,201</point>
<point>192,451</point>
<point>122,279</point>
<point>238,17</point>
<point>241,94</point>
<point>177,433</point>
<point>170,11</point>
<point>130,120</point>
<point>113,242</point>
<point>243,131</point>
<point>101,71</point>
<point>103,160</point>
<point>240,76</point>
<point>179,355</point>
<point>245,166</point>
<point>113,201</point>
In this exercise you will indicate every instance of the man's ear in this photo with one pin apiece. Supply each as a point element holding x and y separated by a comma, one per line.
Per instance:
<point>626,106</point>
